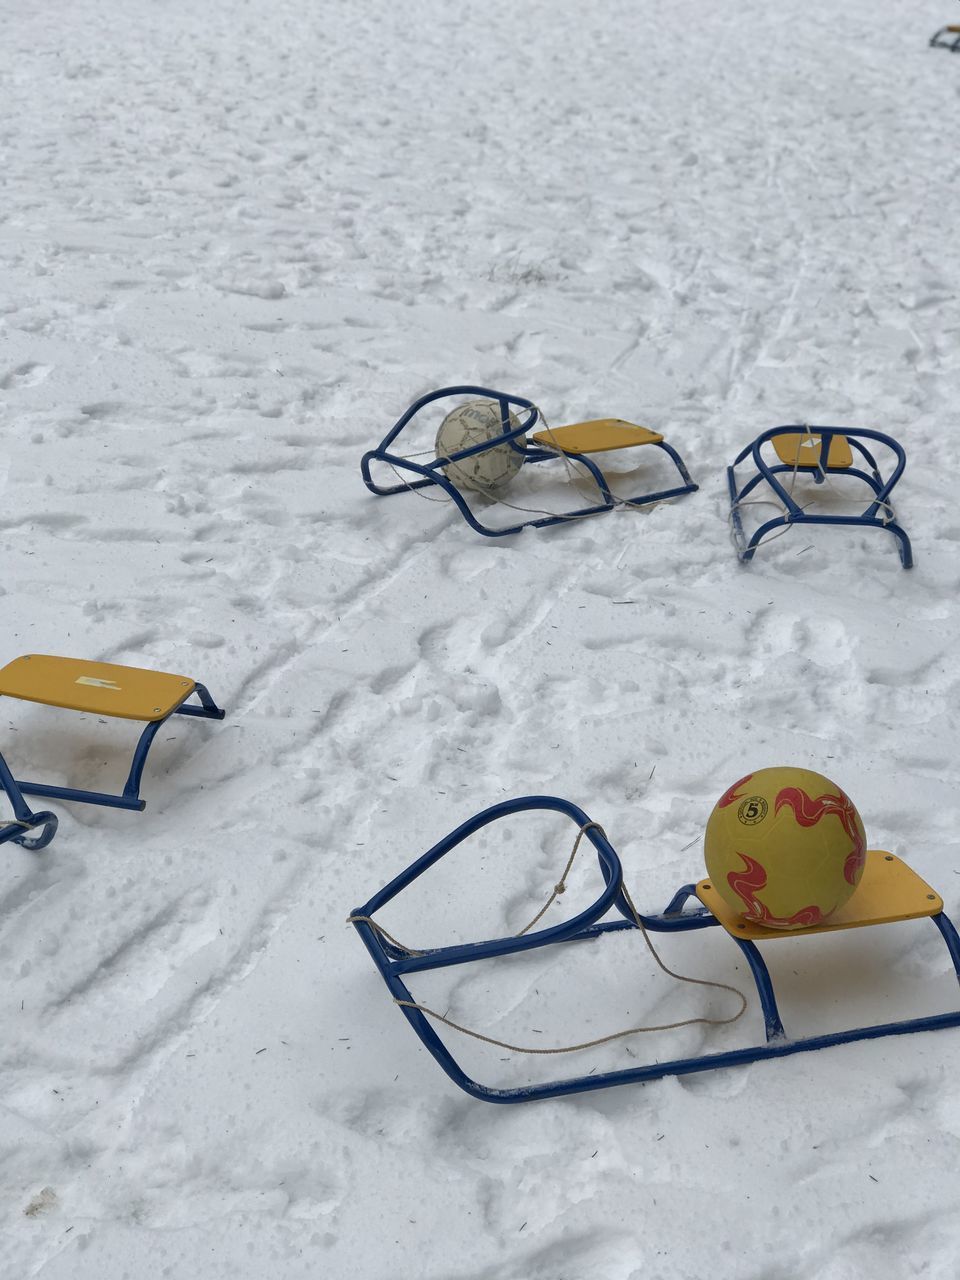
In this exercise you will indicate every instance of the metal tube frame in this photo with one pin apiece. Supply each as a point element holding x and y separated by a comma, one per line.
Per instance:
<point>432,473</point>
<point>951,42</point>
<point>394,963</point>
<point>129,798</point>
<point>794,514</point>
<point>25,820</point>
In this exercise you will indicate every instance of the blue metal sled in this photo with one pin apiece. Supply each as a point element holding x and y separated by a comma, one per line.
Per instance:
<point>946,38</point>
<point>819,452</point>
<point>101,689</point>
<point>576,441</point>
<point>893,892</point>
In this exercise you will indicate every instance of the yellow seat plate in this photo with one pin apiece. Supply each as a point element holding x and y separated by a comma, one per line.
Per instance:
<point>888,891</point>
<point>598,436</point>
<point>102,688</point>
<point>804,451</point>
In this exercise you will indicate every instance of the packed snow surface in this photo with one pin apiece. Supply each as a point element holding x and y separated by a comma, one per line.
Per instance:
<point>237,239</point>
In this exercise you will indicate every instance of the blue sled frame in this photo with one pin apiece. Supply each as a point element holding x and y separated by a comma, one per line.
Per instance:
<point>793,513</point>
<point>946,38</point>
<point>394,963</point>
<point>431,473</point>
<point>129,798</point>
<point>24,819</point>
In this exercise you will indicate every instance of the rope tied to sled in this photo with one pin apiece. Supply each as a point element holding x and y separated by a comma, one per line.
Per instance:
<point>558,889</point>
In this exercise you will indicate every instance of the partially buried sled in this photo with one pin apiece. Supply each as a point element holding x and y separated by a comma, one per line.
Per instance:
<point>96,688</point>
<point>482,445</point>
<point>752,897</point>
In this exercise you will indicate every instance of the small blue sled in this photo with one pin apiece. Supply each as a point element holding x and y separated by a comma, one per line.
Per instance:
<point>819,452</point>
<point>101,689</point>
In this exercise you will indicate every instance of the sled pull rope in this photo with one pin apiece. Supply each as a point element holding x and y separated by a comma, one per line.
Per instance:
<point>559,889</point>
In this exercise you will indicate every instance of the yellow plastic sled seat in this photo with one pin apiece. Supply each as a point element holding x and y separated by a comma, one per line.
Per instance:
<point>601,435</point>
<point>888,891</point>
<point>806,451</point>
<point>607,435</point>
<point>101,689</point>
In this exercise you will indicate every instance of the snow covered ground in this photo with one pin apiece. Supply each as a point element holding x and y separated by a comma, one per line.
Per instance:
<point>236,240</point>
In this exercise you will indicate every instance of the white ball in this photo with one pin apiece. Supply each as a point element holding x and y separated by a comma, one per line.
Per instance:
<point>470,424</point>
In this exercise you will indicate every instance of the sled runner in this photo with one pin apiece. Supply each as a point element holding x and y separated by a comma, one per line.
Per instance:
<point>24,819</point>
<point>101,689</point>
<point>819,452</point>
<point>889,891</point>
<point>575,444</point>
<point>946,38</point>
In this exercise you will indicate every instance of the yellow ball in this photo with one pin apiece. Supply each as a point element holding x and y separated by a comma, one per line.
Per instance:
<point>785,848</point>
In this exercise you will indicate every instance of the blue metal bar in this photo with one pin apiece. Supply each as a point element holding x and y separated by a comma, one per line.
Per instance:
<point>520,804</point>
<point>440,957</point>
<point>14,791</point>
<point>131,788</point>
<point>208,710</point>
<point>782,1048</point>
<point>465,390</point>
<point>26,819</point>
<point>646,499</point>
<point>200,712</point>
<point>17,832</point>
<point>951,43</point>
<point>105,798</point>
<point>679,899</point>
<point>949,935</point>
<point>689,484</point>
<point>580,929</point>
<point>768,1001</point>
<point>534,454</point>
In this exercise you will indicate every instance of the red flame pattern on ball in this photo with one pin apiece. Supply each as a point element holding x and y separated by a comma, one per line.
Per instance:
<point>730,797</point>
<point>808,813</point>
<point>745,885</point>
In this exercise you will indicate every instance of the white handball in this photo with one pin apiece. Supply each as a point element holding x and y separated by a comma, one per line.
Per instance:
<point>491,469</point>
